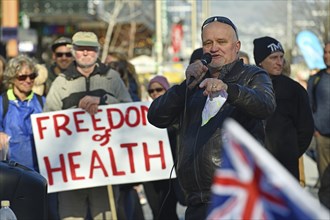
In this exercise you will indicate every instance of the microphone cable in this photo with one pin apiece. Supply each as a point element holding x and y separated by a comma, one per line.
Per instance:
<point>181,123</point>
<point>170,180</point>
<point>167,194</point>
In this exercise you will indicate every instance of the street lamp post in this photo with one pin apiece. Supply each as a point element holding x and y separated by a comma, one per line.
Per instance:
<point>289,31</point>
<point>193,24</point>
<point>159,41</point>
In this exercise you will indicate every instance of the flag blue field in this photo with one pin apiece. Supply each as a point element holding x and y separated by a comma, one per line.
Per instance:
<point>251,184</point>
<point>311,49</point>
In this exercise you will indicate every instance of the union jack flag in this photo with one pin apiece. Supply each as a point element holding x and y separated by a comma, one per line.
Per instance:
<point>251,184</point>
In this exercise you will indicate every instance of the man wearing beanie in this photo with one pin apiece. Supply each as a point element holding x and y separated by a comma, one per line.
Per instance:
<point>289,130</point>
<point>249,100</point>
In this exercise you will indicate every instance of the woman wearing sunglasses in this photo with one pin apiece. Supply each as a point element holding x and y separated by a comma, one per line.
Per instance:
<point>157,86</point>
<point>17,104</point>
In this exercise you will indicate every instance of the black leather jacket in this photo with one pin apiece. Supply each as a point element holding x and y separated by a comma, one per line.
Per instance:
<point>250,100</point>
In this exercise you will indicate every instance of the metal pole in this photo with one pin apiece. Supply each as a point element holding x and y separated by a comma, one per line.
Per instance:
<point>159,41</point>
<point>289,31</point>
<point>206,9</point>
<point>193,24</point>
<point>327,28</point>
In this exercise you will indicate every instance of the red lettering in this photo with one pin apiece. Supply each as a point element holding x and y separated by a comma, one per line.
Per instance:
<point>96,157</point>
<point>74,166</point>
<point>121,118</point>
<point>63,127</point>
<point>113,164</point>
<point>144,113</point>
<point>40,127</point>
<point>95,120</point>
<point>77,121</point>
<point>50,170</point>
<point>137,120</point>
<point>129,147</point>
<point>148,156</point>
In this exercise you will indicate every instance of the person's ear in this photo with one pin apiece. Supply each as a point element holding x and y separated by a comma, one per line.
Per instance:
<point>238,46</point>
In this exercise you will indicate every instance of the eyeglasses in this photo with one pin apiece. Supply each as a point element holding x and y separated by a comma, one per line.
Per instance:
<point>220,19</point>
<point>32,76</point>
<point>150,91</point>
<point>59,54</point>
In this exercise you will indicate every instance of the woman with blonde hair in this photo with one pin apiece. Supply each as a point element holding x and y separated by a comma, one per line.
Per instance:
<point>17,104</point>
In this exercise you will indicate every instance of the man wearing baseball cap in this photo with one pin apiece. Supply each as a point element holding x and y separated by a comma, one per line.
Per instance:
<point>87,83</point>
<point>62,57</point>
<point>289,130</point>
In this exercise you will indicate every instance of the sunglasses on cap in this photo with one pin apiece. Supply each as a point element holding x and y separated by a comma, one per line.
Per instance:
<point>220,19</point>
<point>150,91</point>
<point>59,54</point>
<point>32,76</point>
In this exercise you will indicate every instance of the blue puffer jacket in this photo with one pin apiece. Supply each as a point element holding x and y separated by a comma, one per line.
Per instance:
<point>17,124</point>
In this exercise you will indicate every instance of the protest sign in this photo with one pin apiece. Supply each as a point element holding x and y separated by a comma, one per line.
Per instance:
<point>117,145</point>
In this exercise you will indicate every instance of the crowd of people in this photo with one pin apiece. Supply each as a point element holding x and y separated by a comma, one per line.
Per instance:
<point>277,111</point>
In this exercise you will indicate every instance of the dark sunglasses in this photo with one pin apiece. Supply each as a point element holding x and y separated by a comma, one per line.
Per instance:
<point>153,90</point>
<point>220,19</point>
<point>68,54</point>
<point>32,76</point>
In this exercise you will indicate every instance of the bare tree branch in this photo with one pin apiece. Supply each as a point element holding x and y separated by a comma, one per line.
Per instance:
<point>111,23</point>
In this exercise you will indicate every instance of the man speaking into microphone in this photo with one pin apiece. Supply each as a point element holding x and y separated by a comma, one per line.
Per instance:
<point>245,93</point>
<point>205,59</point>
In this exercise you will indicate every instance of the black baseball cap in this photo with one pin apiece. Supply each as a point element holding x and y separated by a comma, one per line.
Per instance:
<point>61,41</point>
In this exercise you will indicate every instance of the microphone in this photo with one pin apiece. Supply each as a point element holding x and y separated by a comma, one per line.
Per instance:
<point>206,59</point>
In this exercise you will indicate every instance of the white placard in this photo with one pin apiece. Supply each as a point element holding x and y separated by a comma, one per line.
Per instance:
<point>117,145</point>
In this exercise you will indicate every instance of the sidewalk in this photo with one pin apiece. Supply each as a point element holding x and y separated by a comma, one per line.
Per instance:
<point>311,175</point>
<point>148,215</point>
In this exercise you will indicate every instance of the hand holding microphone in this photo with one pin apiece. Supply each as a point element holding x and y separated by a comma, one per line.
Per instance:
<point>196,72</point>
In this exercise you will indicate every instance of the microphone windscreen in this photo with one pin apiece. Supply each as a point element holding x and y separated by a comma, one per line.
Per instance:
<point>206,58</point>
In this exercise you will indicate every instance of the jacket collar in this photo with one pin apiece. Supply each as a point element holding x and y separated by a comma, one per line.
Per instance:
<point>230,71</point>
<point>11,95</point>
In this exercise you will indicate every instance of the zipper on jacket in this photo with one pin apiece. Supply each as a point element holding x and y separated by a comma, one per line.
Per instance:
<point>87,81</point>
